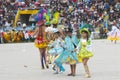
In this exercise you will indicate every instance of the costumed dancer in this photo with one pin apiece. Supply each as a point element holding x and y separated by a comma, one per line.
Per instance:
<point>68,55</point>
<point>41,41</point>
<point>56,49</point>
<point>114,34</point>
<point>84,50</point>
<point>50,38</point>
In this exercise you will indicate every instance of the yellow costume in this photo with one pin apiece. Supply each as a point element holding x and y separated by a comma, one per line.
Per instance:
<point>40,42</point>
<point>85,50</point>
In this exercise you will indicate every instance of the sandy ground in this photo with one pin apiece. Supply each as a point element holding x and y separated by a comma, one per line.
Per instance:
<point>22,62</point>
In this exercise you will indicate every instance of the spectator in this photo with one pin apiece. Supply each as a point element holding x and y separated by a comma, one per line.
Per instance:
<point>26,36</point>
<point>73,13</point>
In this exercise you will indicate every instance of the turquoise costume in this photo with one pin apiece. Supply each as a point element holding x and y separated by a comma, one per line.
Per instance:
<point>68,55</point>
<point>57,47</point>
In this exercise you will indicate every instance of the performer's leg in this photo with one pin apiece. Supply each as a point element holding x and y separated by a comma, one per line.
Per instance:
<point>62,69</point>
<point>86,68</point>
<point>57,69</point>
<point>59,64</point>
<point>41,58</point>
<point>74,69</point>
<point>71,67</point>
<point>116,38</point>
<point>45,57</point>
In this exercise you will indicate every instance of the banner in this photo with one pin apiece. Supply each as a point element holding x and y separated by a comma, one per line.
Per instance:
<point>24,12</point>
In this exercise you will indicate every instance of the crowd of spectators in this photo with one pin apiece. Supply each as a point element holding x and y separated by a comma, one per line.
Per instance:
<point>101,14</point>
<point>97,15</point>
<point>9,8</point>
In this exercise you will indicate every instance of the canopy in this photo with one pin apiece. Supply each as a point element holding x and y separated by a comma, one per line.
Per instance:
<point>24,12</point>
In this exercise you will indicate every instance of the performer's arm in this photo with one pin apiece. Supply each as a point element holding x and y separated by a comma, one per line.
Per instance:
<point>62,33</point>
<point>35,32</point>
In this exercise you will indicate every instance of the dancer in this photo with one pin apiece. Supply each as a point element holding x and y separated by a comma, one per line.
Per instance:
<point>84,50</point>
<point>114,34</point>
<point>72,57</point>
<point>68,55</point>
<point>41,43</point>
<point>56,49</point>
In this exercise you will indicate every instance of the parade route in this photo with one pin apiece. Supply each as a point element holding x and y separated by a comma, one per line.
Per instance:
<point>21,61</point>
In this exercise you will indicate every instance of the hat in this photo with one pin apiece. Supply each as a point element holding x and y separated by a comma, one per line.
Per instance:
<point>85,30</point>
